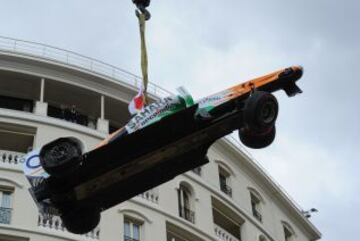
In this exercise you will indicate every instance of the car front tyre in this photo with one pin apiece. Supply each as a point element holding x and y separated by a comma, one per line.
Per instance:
<point>61,156</point>
<point>260,111</point>
<point>257,140</point>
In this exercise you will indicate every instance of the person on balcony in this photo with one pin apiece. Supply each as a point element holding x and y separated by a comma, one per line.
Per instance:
<point>73,114</point>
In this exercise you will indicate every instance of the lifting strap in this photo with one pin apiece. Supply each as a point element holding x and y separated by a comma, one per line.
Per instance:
<point>144,59</point>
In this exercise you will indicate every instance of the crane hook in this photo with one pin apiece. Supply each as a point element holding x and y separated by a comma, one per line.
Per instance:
<point>141,7</point>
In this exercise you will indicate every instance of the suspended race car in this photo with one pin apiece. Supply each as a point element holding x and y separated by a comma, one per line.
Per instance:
<point>169,137</point>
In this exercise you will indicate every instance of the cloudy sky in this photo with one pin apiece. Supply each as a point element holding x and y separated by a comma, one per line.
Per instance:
<point>209,45</point>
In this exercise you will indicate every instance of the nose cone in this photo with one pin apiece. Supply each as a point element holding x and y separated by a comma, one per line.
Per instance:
<point>298,71</point>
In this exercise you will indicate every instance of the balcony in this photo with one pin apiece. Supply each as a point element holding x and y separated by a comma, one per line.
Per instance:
<point>225,188</point>
<point>227,222</point>
<point>11,157</point>
<point>5,215</point>
<point>151,195</point>
<point>19,104</point>
<point>54,223</point>
<point>46,52</point>
<point>187,214</point>
<point>223,235</point>
<point>78,105</point>
<point>76,117</point>
<point>31,93</point>
<point>177,233</point>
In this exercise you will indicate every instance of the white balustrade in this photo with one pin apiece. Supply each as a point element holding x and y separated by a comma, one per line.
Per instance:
<point>151,195</point>
<point>224,235</point>
<point>54,223</point>
<point>11,157</point>
<point>44,51</point>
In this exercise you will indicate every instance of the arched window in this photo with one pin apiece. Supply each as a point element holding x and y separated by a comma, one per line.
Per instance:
<point>185,200</point>
<point>224,179</point>
<point>225,176</point>
<point>134,224</point>
<point>289,232</point>
<point>132,229</point>
<point>262,238</point>
<point>256,203</point>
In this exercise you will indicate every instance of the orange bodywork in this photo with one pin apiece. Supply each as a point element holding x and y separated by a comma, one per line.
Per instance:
<point>106,140</point>
<point>256,83</point>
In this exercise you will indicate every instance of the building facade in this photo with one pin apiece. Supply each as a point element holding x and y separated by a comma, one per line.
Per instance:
<point>46,92</point>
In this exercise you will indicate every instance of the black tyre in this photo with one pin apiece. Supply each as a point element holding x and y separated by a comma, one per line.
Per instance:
<point>257,140</point>
<point>261,111</point>
<point>81,221</point>
<point>60,156</point>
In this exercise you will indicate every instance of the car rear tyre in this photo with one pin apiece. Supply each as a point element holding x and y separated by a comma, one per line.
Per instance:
<point>257,140</point>
<point>81,221</point>
<point>261,111</point>
<point>60,156</point>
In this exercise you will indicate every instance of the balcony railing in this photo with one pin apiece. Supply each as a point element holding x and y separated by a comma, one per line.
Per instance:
<point>70,58</point>
<point>224,235</point>
<point>150,195</point>
<point>127,238</point>
<point>5,215</point>
<point>226,189</point>
<point>187,214</point>
<point>257,214</point>
<point>14,103</point>
<point>11,157</point>
<point>54,223</point>
<point>66,115</point>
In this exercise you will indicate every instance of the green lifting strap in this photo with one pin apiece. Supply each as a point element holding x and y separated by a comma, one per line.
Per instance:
<point>144,58</point>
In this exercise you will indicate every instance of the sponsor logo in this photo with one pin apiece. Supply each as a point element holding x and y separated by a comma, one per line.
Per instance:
<point>152,112</point>
<point>33,162</point>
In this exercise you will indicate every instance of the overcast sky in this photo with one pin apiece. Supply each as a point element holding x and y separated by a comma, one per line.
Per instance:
<point>209,45</point>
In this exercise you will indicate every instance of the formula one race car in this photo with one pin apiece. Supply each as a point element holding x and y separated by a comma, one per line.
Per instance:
<point>167,138</point>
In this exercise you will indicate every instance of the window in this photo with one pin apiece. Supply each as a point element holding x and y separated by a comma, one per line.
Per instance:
<point>255,206</point>
<point>262,238</point>
<point>288,232</point>
<point>185,203</point>
<point>224,178</point>
<point>5,206</point>
<point>132,230</point>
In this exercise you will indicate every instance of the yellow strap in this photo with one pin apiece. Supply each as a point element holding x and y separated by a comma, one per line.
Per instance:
<point>144,59</point>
